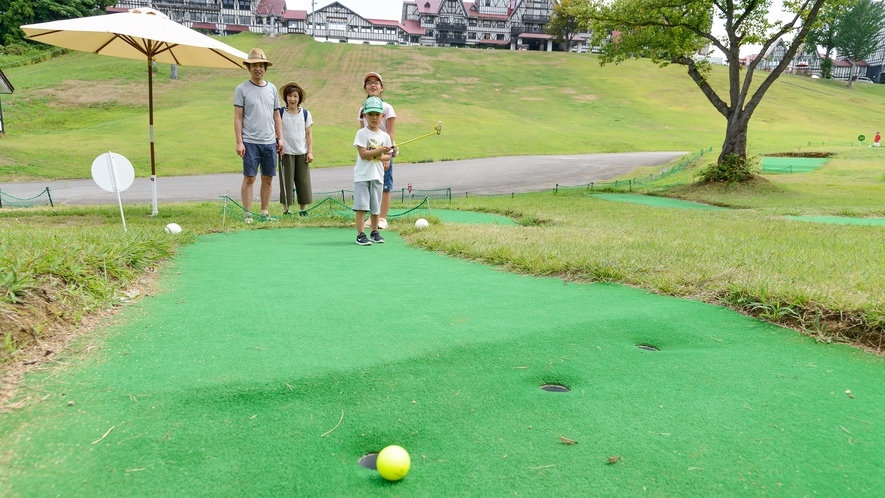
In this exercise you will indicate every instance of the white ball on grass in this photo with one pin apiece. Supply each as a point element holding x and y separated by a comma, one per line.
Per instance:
<point>421,223</point>
<point>173,228</point>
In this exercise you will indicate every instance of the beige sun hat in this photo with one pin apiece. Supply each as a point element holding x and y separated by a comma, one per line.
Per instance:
<point>369,75</point>
<point>302,95</point>
<point>256,55</point>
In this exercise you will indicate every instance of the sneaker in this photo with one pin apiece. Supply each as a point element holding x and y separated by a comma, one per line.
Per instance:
<point>267,218</point>
<point>247,218</point>
<point>362,240</point>
<point>382,223</point>
<point>376,237</point>
<point>303,214</point>
<point>286,213</point>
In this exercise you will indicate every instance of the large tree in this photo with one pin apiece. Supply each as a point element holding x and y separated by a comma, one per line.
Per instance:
<point>824,34</point>
<point>564,23</point>
<point>674,31</point>
<point>858,33</point>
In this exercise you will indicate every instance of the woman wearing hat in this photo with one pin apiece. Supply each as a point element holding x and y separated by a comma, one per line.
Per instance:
<point>297,148</point>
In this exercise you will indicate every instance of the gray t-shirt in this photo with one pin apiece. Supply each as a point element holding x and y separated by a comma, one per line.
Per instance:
<point>258,103</point>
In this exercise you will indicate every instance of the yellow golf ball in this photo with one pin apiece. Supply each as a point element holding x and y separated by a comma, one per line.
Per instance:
<point>393,463</point>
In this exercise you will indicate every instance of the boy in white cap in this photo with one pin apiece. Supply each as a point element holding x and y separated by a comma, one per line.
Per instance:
<point>259,132</point>
<point>373,147</point>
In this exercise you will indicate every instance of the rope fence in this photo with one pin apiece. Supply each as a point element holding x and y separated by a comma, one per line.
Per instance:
<point>44,198</point>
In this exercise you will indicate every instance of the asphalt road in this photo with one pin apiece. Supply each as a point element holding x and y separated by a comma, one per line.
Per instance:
<point>497,175</point>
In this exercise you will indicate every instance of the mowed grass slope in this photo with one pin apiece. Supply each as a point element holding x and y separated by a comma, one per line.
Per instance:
<point>67,111</point>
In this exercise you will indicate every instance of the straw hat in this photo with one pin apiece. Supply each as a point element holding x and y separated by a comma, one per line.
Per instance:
<point>302,95</point>
<point>256,55</point>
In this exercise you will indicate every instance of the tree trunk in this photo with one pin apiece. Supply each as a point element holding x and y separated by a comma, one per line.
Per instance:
<point>735,142</point>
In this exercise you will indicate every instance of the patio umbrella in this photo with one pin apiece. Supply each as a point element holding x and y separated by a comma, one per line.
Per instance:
<point>143,34</point>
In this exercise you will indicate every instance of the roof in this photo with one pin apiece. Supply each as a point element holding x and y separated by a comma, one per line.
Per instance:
<point>845,63</point>
<point>275,7</point>
<point>295,15</point>
<point>237,28</point>
<point>493,42</point>
<point>204,25</point>
<point>413,27</point>
<point>116,10</point>
<point>384,22</point>
<point>429,6</point>
<point>536,36</point>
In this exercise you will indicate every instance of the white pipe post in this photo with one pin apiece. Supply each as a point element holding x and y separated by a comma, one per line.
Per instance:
<point>113,169</point>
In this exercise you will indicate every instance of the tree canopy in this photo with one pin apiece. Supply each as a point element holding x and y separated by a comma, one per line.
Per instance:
<point>858,31</point>
<point>674,32</point>
<point>564,23</point>
<point>14,13</point>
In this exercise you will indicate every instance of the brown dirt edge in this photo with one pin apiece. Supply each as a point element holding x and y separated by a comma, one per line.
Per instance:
<point>49,341</point>
<point>801,154</point>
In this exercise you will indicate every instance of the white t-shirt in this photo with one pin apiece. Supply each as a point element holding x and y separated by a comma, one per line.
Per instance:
<point>294,132</point>
<point>388,113</point>
<point>367,170</point>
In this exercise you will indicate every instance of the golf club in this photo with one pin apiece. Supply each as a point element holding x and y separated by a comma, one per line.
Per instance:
<point>436,131</point>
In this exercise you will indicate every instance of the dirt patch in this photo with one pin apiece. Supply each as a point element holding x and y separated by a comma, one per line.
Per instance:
<point>586,97</point>
<point>801,154</point>
<point>532,98</point>
<point>38,324</point>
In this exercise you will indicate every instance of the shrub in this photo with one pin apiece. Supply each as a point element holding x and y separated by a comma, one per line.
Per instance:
<point>732,169</point>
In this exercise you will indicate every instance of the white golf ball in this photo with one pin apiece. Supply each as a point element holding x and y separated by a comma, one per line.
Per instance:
<point>173,228</point>
<point>421,223</point>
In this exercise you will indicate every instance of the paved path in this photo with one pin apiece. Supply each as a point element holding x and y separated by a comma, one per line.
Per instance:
<point>497,175</point>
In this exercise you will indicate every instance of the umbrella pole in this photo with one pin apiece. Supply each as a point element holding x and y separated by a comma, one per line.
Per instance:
<point>151,120</point>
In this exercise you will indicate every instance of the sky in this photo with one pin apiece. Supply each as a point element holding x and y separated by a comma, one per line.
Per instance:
<point>370,9</point>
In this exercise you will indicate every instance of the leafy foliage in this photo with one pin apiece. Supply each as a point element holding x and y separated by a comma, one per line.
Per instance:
<point>674,33</point>
<point>731,169</point>
<point>14,13</point>
<point>858,31</point>
<point>564,21</point>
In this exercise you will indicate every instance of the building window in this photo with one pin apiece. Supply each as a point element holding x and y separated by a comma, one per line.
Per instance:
<point>487,24</point>
<point>471,36</point>
<point>499,36</point>
<point>471,22</point>
<point>501,24</point>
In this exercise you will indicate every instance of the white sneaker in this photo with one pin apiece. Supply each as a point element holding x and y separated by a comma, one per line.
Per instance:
<point>382,223</point>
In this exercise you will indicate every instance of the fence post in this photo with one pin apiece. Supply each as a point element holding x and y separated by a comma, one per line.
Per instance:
<point>1,199</point>
<point>449,194</point>
<point>48,194</point>
<point>630,185</point>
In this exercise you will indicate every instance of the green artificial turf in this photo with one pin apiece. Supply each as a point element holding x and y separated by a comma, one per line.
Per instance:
<point>650,200</point>
<point>233,380</point>
<point>469,217</point>
<point>840,220</point>
<point>791,164</point>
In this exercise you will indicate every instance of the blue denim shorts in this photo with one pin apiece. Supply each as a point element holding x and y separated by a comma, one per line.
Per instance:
<point>388,177</point>
<point>264,155</point>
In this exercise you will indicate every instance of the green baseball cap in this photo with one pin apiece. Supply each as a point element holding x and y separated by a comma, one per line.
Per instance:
<point>373,104</point>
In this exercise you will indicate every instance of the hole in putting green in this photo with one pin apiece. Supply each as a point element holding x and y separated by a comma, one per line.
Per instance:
<point>555,388</point>
<point>369,461</point>
<point>647,347</point>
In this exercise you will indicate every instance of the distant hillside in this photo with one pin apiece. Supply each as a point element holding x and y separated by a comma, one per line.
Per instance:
<point>72,108</point>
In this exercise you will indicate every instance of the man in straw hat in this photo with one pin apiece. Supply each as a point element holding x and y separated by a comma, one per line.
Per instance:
<point>258,130</point>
